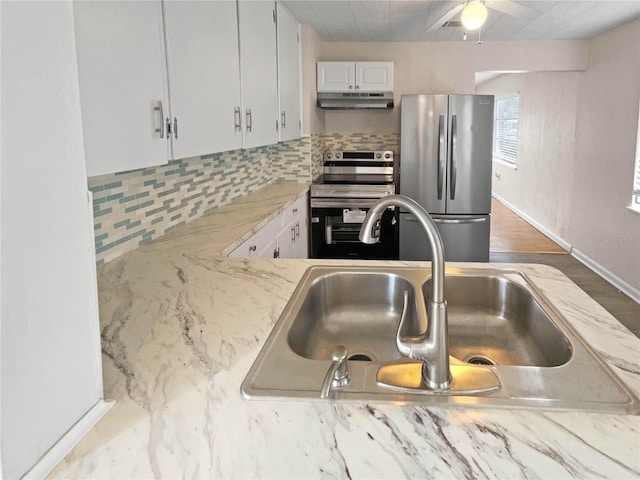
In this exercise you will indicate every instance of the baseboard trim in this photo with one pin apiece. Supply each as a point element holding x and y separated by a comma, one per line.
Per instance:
<point>617,282</point>
<point>70,439</point>
<point>564,244</point>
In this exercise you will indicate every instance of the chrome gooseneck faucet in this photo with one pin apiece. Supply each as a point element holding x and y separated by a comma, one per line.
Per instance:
<point>431,348</point>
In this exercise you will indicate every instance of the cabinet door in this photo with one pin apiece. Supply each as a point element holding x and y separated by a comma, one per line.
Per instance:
<point>286,241</point>
<point>301,246</point>
<point>258,68</point>
<point>288,74</point>
<point>204,76</point>
<point>123,94</point>
<point>270,250</point>
<point>336,76</point>
<point>374,76</point>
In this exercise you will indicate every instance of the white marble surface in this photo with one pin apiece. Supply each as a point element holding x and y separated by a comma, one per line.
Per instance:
<point>181,326</point>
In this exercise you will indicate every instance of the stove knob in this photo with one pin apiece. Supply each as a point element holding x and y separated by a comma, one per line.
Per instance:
<point>329,155</point>
<point>338,154</point>
<point>378,155</point>
<point>387,155</point>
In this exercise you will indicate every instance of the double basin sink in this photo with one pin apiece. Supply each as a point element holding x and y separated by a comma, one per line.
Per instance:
<point>499,326</point>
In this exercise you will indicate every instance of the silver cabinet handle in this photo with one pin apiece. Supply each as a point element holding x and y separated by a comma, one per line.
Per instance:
<point>293,234</point>
<point>297,229</point>
<point>253,248</point>
<point>441,155</point>
<point>295,210</point>
<point>175,127</point>
<point>249,120</point>
<point>458,222</point>
<point>447,221</point>
<point>284,119</point>
<point>237,117</point>
<point>454,163</point>
<point>158,108</point>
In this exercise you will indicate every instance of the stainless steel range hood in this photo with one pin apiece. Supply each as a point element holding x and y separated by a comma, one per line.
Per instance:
<point>345,101</point>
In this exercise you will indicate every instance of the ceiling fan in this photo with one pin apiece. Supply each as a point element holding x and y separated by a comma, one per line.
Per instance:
<point>474,12</point>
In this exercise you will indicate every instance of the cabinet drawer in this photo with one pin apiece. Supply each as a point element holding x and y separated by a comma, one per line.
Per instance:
<point>297,208</point>
<point>257,243</point>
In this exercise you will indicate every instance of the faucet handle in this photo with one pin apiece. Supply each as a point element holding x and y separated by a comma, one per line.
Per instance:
<point>337,376</point>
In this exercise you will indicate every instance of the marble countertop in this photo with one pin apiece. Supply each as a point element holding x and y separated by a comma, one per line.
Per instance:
<point>181,326</point>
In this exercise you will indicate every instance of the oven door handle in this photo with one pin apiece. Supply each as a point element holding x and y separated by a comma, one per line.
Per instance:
<point>341,203</point>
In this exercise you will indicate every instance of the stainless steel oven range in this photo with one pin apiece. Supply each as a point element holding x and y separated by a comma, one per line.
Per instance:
<point>352,181</point>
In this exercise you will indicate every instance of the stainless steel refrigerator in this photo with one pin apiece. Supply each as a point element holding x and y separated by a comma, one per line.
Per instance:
<point>445,165</point>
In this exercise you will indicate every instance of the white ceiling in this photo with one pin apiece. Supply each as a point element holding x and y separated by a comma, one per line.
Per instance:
<point>407,21</point>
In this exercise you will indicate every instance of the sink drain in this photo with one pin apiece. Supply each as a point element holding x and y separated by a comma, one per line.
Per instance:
<point>360,357</point>
<point>477,359</point>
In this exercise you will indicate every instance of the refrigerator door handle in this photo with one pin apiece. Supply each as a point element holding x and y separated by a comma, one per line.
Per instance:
<point>454,163</point>
<point>449,222</point>
<point>441,155</point>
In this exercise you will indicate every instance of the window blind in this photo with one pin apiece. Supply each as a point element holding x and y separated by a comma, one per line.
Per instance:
<point>505,131</point>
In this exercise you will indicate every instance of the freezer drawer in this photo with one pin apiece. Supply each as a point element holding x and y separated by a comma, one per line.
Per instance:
<point>465,238</point>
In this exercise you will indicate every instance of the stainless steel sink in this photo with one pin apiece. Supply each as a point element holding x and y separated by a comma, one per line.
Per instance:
<point>493,320</point>
<point>360,310</point>
<point>500,326</point>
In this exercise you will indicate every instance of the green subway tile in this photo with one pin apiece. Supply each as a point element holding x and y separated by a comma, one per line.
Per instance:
<point>115,197</point>
<point>144,241</point>
<point>157,220</point>
<point>113,185</point>
<point>159,184</point>
<point>101,237</point>
<point>99,213</point>
<point>148,171</point>
<point>123,240</point>
<point>149,234</point>
<point>133,208</point>
<point>138,233</point>
<point>127,199</point>
<point>104,248</point>
<point>122,223</point>
<point>176,217</point>
<point>142,195</point>
<point>100,262</point>
<point>134,224</point>
<point>97,226</point>
<point>146,204</point>
<point>150,182</point>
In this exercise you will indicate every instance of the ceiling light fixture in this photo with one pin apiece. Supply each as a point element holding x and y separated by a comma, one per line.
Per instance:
<point>474,15</point>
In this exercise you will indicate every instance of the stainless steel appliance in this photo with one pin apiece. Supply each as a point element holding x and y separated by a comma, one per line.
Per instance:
<point>352,181</point>
<point>445,165</point>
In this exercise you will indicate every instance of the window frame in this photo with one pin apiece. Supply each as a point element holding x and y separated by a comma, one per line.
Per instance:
<point>635,175</point>
<point>506,159</point>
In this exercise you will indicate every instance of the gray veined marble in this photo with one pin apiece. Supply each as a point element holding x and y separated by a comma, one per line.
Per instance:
<point>181,326</point>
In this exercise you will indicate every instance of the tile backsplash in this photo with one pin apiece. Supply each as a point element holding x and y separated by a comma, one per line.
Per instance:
<point>132,208</point>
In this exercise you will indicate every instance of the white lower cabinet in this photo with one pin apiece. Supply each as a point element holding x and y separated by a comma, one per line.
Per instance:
<point>285,236</point>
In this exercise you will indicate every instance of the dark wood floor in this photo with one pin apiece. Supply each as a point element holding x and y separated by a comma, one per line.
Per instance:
<point>626,310</point>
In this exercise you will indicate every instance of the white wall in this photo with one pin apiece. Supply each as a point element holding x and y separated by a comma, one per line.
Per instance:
<point>444,67</point>
<point>576,154</point>
<point>50,372</point>
<point>601,226</point>
<point>541,185</point>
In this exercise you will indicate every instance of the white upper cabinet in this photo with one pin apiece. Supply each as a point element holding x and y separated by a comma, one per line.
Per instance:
<point>204,77</point>
<point>288,75</point>
<point>374,76</point>
<point>258,67</point>
<point>355,76</point>
<point>123,91</point>
<point>336,76</point>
